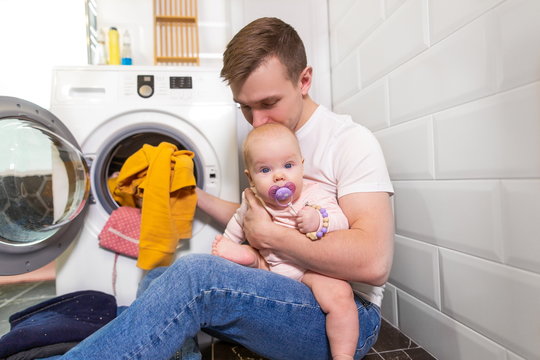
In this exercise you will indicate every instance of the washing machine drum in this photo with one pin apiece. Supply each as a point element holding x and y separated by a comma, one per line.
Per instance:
<point>44,186</point>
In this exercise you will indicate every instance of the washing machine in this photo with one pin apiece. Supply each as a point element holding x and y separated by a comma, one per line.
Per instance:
<point>101,116</point>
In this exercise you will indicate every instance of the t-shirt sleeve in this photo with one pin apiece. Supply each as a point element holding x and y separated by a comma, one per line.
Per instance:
<point>360,164</point>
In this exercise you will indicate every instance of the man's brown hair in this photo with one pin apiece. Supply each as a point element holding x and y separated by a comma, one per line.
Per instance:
<point>259,40</point>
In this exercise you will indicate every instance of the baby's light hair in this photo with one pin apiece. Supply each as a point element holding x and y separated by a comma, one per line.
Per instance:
<point>266,133</point>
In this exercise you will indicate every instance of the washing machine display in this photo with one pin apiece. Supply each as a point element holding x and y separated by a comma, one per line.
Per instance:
<point>107,114</point>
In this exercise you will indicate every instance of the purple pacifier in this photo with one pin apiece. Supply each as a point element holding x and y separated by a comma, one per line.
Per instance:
<point>282,193</point>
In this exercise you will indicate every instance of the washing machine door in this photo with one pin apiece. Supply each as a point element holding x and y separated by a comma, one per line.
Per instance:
<point>44,186</point>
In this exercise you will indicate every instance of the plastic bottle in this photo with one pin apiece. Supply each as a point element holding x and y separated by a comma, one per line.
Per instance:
<point>126,49</point>
<point>101,50</point>
<point>114,47</point>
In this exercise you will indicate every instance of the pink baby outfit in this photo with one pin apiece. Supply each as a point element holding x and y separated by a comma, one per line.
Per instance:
<point>311,193</point>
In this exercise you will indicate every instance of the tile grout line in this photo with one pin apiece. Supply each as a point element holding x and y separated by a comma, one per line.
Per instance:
<point>21,294</point>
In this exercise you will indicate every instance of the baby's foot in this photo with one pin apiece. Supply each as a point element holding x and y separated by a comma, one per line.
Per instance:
<point>342,357</point>
<point>228,249</point>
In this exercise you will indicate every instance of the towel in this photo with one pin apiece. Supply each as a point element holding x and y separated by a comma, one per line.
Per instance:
<point>163,176</point>
<point>64,319</point>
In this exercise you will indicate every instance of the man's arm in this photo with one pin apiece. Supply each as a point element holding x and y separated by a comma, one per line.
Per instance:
<point>220,210</point>
<point>362,253</point>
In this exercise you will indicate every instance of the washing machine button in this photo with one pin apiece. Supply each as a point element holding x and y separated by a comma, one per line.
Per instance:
<point>146,91</point>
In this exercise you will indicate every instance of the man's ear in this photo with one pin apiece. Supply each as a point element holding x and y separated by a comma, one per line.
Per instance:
<point>305,79</point>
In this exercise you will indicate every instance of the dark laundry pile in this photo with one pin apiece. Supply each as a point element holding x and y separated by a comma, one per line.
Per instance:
<point>56,325</point>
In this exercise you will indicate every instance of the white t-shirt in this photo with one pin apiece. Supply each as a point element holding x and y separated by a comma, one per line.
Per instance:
<point>345,157</point>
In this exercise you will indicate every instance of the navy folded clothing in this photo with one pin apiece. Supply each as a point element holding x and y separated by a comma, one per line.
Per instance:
<point>46,351</point>
<point>63,319</point>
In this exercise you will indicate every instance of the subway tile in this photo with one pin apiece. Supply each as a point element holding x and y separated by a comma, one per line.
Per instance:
<point>356,24</point>
<point>416,270</point>
<point>445,17</point>
<point>457,70</point>
<point>443,337</point>
<point>390,6</point>
<point>511,356</point>
<point>521,223</point>
<point>368,107</point>
<point>519,32</point>
<point>389,304</point>
<point>397,40</point>
<point>498,301</point>
<point>345,78</point>
<point>495,137</point>
<point>464,215</point>
<point>337,9</point>
<point>408,149</point>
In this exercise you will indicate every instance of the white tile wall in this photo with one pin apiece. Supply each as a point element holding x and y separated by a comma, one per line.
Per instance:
<point>442,336</point>
<point>464,215</point>
<point>455,106</point>
<point>490,298</point>
<point>390,46</point>
<point>452,72</point>
<point>519,33</point>
<point>521,223</point>
<point>448,16</point>
<point>389,309</point>
<point>357,22</point>
<point>507,127</point>
<point>368,107</point>
<point>422,260</point>
<point>408,149</point>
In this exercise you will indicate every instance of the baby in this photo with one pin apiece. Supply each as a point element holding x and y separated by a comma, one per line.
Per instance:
<point>274,167</point>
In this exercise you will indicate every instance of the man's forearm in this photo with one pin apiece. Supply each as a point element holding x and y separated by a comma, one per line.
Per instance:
<point>218,209</point>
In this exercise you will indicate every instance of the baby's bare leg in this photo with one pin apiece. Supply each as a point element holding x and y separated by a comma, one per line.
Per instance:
<point>238,253</point>
<point>336,299</point>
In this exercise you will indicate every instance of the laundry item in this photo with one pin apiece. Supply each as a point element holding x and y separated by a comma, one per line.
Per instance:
<point>122,231</point>
<point>54,326</point>
<point>163,177</point>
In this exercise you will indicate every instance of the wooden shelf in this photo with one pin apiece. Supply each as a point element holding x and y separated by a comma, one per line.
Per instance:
<point>176,32</point>
<point>177,59</point>
<point>179,19</point>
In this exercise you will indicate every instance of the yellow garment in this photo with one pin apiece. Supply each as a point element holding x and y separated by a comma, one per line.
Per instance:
<point>163,177</point>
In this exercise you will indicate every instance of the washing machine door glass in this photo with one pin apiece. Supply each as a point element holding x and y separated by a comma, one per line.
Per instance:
<point>43,182</point>
<point>44,186</point>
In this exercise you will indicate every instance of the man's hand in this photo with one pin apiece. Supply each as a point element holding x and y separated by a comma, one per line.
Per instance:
<point>257,222</point>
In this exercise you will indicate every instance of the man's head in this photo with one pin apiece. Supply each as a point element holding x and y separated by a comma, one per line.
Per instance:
<point>259,40</point>
<point>272,157</point>
<point>265,65</point>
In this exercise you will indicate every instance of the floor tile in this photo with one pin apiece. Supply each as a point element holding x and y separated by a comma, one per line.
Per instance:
<point>391,338</point>
<point>419,354</point>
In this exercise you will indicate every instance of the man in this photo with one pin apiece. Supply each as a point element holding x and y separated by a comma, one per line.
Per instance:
<point>265,65</point>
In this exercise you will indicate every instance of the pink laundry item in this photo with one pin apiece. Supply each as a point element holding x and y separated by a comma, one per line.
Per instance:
<point>122,231</point>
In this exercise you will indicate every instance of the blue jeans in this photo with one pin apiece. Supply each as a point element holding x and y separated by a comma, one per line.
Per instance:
<point>272,315</point>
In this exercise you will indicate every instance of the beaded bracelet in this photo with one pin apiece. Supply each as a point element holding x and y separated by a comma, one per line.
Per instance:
<point>316,235</point>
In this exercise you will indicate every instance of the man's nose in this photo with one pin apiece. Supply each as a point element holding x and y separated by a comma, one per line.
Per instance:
<point>259,118</point>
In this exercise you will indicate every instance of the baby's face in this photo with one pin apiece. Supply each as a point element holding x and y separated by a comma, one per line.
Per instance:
<point>275,162</point>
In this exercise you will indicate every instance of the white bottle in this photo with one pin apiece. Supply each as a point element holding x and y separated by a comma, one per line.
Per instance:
<point>101,50</point>
<point>126,49</point>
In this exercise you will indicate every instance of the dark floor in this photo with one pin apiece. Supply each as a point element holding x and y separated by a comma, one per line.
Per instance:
<point>391,345</point>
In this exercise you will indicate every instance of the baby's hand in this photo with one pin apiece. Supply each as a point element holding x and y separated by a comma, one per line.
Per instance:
<point>308,220</point>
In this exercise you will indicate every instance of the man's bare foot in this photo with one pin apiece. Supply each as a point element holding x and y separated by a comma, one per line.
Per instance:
<point>238,253</point>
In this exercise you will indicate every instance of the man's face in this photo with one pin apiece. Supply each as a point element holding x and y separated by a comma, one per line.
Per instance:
<point>268,96</point>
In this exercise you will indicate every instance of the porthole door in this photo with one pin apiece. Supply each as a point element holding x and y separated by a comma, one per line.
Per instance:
<point>44,186</point>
